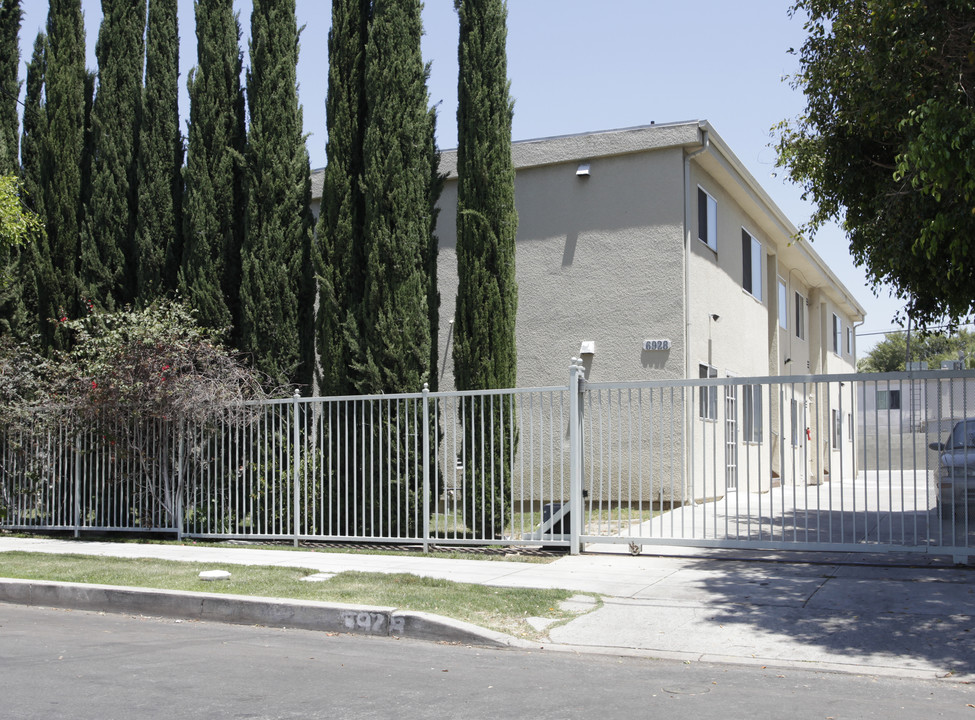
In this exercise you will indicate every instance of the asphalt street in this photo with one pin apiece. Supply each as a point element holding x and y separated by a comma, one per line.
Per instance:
<point>74,664</point>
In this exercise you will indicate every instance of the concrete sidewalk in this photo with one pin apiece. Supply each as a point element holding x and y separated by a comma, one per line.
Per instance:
<point>813,611</point>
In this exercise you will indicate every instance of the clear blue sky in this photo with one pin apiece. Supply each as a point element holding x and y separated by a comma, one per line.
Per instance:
<point>579,65</point>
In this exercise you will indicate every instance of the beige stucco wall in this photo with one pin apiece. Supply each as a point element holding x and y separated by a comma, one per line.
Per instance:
<point>739,338</point>
<point>599,258</point>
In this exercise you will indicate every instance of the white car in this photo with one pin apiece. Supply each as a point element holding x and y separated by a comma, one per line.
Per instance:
<point>955,479</point>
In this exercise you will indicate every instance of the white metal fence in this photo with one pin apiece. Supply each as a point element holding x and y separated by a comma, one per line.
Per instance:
<point>445,468</point>
<point>818,462</point>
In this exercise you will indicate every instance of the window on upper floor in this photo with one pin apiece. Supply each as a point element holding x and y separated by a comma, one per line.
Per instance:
<point>783,305</point>
<point>800,317</point>
<point>707,219</point>
<point>837,330</point>
<point>751,265</point>
<point>849,340</point>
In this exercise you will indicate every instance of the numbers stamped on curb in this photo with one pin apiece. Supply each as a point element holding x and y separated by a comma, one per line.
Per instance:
<point>372,622</point>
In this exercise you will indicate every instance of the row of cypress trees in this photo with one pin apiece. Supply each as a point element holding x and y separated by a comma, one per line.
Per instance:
<point>351,306</point>
<point>102,160</point>
<point>126,222</point>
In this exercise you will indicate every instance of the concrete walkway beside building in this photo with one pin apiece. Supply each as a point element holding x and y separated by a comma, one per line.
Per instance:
<point>902,615</point>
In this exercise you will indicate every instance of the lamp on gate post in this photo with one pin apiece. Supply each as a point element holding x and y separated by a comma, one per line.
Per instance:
<point>586,353</point>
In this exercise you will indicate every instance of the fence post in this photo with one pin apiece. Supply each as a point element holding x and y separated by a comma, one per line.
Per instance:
<point>296,463</point>
<point>426,467</point>
<point>77,484</point>
<point>576,378</point>
<point>179,478</point>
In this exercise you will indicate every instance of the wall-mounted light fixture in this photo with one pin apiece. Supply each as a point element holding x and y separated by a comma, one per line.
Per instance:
<point>583,170</point>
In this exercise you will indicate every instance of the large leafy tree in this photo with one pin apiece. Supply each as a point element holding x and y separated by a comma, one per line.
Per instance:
<point>107,267</point>
<point>275,292</point>
<point>63,167</point>
<point>340,263</point>
<point>158,235</point>
<point>887,142</point>
<point>890,354</point>
<point>487,293</point>
<point>214,200</point>
<point>10,18</point>
<point>17,222</point>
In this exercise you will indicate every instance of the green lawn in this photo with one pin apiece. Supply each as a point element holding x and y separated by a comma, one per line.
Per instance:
<point>501,609</point>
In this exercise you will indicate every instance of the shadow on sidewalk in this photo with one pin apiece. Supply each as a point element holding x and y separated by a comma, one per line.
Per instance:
<point>855,609</point>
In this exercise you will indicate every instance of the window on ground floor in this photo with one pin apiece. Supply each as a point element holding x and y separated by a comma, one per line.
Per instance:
<point>752,413</point>
<point>708,395</point>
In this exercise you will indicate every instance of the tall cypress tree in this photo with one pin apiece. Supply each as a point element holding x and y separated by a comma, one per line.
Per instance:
<point>487,294</point>
<point>158,235</point>
<point>340,262</point>
<point>35,258</point>
<point>394,349</point>
<point>214,203</point>
<point>394,354</point>
<point>277,240</point>
<point>10,17</point>
<point>107,267</point>
<point>35,120</point>
<point>63,157</point>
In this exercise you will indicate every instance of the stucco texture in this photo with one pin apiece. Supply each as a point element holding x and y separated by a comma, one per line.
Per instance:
<point>599,258</point>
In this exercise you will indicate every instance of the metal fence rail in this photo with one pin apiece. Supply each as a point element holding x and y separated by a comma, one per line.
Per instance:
<point>843,462</point>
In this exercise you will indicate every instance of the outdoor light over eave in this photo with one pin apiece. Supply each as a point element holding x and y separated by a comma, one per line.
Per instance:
<point>583,170</point>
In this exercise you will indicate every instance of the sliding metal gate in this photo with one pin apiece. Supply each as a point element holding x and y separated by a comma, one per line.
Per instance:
<point>861,463</point>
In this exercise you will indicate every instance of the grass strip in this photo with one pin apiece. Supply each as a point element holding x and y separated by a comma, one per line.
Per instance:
<point>501,609</point>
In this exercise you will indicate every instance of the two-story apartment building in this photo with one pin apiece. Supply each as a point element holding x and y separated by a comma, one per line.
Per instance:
<point>659,233</point>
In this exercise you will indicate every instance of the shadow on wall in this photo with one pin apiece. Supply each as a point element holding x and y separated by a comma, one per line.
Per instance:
<point>569,253</point>
<point>654,359</point>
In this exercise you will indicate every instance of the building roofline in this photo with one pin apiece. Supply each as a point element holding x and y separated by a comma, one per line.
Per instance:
<point>797,243</point>
<point>538,152</point>
<point>689,135</point>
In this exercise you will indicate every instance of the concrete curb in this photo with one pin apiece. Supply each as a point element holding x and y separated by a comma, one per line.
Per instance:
<point>246,610</point>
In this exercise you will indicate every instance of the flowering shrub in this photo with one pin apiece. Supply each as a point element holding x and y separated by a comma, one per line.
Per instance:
<point>155,362</point>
